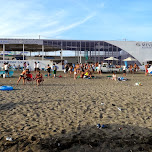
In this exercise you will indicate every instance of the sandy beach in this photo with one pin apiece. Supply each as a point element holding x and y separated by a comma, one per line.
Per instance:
<point>63,113</point>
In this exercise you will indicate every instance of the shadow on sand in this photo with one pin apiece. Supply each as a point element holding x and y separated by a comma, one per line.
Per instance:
<point>114,138</point>
<point>7,106</point>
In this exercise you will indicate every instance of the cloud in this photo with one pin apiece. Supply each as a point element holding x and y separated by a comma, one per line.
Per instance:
<point>20,19</point>
<point>34,26</point>
<point>73,25</point>
<point>56,32</point>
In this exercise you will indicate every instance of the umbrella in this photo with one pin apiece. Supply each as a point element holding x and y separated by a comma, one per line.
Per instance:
<point>129,59</point>
<point>112,59</point>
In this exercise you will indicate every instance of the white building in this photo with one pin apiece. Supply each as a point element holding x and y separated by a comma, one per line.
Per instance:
<point>93,50</point>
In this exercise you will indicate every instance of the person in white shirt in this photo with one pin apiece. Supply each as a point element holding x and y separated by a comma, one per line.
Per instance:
<point>38,66</point>
<point>28,67</point>
<point>99,69</point>
<point>6,69</point>
<point>35,66</point>
<point>124,70</point>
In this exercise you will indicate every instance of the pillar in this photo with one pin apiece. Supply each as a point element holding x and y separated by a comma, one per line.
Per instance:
<point>95,52</point>
<point>23,52</point>
<point>61,54</point>
<point>80,52</point>
<point>42,52</point>
<point>3,52</point>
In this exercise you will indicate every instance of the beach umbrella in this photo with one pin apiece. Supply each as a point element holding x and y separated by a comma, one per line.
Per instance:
<point>129,59</point>
<point>111,59</point>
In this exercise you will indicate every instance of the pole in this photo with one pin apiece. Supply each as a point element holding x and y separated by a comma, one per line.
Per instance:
<point>98,51</point>
<point>61,52</point>
<point>80,52</point>
<point>42,52</point>
<point>23,52</point>
<point>3,52</point>
<point>80,57</point>
<point>90,49</point>
<point>95,53</point>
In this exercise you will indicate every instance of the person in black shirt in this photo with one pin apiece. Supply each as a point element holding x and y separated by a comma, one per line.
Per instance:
<point>48,70</point>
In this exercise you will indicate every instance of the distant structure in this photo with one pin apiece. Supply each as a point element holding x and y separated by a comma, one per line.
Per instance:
<point>90,50</point>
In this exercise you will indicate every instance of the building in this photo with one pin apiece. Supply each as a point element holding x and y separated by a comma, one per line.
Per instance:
<point>92,50</point>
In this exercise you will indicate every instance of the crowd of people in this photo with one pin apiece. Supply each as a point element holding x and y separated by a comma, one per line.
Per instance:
<point>132,69</point>
<point>26,73</point>
<point>79,70</point>
<point>85,71</point>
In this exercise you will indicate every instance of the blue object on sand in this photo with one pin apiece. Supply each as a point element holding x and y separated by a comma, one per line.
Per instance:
<point>6,88</point>
<point>10,74</point>
<point>103,126</point>
<point>2,72</point>
<point>98,126</point>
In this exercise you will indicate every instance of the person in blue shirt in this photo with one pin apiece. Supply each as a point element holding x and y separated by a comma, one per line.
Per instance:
<point>54,70</point>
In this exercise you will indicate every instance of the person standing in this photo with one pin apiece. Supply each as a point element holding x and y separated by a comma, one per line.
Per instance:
<point>48,70</point>
<point>28,67</point>
<point>66,70</point>
<point>22,76</point>
<point>99,68</point>
<point>35,66</point>
<point>75,73</point>
<point>146,69</point>
<point>24,65</point>
<point>38,66</point>
<point>131,68</point>
<point>124,70</point>
<point>54,70</point>
<point>6,69</point>
<point>70,70</point>
<point>135,67</point>
<point>93,68</point>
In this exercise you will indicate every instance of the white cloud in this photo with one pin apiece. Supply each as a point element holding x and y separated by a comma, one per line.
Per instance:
<point>20,19</point>
<point>56,32</point>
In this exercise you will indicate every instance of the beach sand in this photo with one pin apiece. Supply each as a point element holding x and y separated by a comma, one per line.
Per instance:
<point>63,113</point>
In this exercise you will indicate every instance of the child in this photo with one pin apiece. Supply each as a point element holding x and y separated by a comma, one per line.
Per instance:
<point>114,77</point>
<point>75,73</point>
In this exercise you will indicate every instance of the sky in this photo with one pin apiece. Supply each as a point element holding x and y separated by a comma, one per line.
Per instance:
<point>129,20</point>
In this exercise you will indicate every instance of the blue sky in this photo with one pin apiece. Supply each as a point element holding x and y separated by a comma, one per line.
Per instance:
<point>77,19</point>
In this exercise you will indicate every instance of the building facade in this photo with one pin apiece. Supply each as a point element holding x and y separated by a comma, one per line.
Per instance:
<point>96,51</point>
